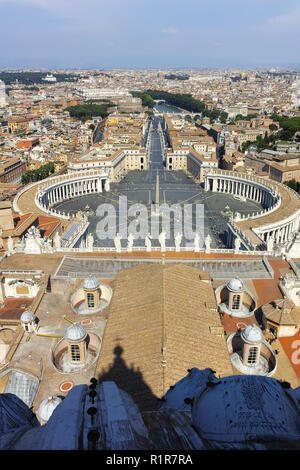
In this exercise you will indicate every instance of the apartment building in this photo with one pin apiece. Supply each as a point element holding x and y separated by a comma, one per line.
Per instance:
<point>117,164</point>
<point>17,125</point>
<point>11,169</point>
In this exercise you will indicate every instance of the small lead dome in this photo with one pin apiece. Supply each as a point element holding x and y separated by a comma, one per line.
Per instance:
<point>47,407</point>
<point>27,316</point>
<point>235,285</point>
<point>75,332</point>
<point>91,283</point>
<point>252,334</point>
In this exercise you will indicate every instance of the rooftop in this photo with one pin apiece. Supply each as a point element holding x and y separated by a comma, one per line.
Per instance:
<point>157,316</point>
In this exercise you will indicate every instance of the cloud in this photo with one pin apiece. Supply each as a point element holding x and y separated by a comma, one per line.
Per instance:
<point>170,30</point>
<point>287,22</point>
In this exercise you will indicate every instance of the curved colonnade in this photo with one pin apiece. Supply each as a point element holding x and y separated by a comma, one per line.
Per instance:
<point>279,219</point>
<point>64,187</point>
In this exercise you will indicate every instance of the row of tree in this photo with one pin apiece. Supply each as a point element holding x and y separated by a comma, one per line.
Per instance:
<point>288,126</point>
<point>295,185</point>
<point>88,110</point>
<point>172,76</point>
<point>147,100</point>
<point>180,100</point>
<point>240,117</point>
<point>39,174</point>
<point>30,78</point>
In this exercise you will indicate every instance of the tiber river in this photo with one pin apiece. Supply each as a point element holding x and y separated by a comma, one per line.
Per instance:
<point>166,108</point>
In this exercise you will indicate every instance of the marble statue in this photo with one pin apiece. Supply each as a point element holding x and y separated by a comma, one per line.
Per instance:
<point>162,241</point>
<point>33,241</point>
<point>196,243</point>
<point>148,242</point>
<point>207,242</point>
<point>130,240</point>
<point>57,241</point>
<point>90,241</point>
<point>10,244</point>
<point>237,244</point>
<point>117,242</point>
<point>20,246</point>
<point>178,239</point>
<point>47,246</point>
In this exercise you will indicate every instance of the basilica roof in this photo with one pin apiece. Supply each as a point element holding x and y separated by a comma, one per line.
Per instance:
<point>163,320</point>
<point>14,413</point>
<point>201,411</point>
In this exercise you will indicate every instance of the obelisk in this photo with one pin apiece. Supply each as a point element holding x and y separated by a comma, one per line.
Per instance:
<point>157,190</point>
<point>157,211</point>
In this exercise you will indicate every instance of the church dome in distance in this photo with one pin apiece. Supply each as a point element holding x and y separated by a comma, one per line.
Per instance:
<point>75,332</point>
<point>252,334</point>
<point>47,407</point>
<point>91,283</point>
<point>235,285</point>
<point>27,316</point>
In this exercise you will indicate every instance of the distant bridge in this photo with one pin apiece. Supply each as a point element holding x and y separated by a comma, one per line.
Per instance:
<point>180,113</point>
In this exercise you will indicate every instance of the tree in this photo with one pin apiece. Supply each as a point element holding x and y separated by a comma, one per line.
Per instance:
<point>292,184</point>
<point>88,110</point>
<point>246,145</point>
<point>38,174</point>
<point>223,117</point>
<point>275,117</point>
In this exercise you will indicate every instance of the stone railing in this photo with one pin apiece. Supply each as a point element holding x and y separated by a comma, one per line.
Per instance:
<point>263,212</point>
<point>239,234</point>
<point>243,176</point>
<point>157,249</point>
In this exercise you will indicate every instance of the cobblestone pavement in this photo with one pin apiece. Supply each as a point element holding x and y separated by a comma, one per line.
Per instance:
<point>175,187</point>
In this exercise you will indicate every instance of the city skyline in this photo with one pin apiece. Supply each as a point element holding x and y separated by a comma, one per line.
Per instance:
<point>44,34</point>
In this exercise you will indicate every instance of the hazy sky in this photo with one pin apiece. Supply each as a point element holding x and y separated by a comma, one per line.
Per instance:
<point>149,33</point>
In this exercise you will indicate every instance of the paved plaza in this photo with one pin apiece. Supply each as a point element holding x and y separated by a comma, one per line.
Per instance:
<point>175,187</point>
